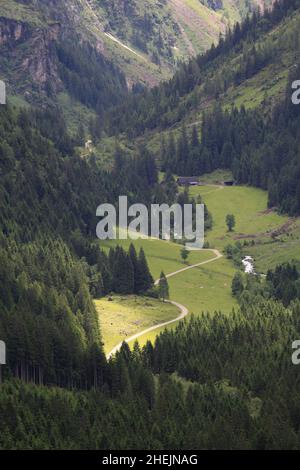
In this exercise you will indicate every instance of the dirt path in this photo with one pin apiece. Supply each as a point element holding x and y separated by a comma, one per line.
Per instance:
<point>110,36</point>
<point>113,38</point>
<point>183,310</point>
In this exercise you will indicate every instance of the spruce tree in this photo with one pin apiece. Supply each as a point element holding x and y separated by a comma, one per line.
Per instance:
<point>163,287</point>
<point>123,274</point>
<point>237,284</point>
<point>144,280</point>
<point>135,264</point>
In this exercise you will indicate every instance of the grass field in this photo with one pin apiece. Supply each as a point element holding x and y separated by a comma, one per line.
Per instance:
<point>203,289</point>
<point>125,316</point>
<point>161,255</point>
<point>248,205</point>
<point>269,253</point>
<point>206,288</point>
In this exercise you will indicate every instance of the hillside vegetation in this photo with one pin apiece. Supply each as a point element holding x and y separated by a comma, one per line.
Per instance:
<point>145,39</point>
<point>226,377</point>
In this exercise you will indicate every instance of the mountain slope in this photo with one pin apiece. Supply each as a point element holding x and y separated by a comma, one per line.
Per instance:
<point>145,39</point>
<point>252,64</point>
<point>231,109</point>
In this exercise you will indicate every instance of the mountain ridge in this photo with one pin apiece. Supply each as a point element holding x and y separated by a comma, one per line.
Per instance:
<point>144,39</point>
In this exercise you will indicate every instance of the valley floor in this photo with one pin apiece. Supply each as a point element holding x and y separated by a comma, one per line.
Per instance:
<point>204,285</point>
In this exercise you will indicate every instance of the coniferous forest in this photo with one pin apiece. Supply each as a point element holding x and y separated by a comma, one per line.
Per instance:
<point>217,380</point>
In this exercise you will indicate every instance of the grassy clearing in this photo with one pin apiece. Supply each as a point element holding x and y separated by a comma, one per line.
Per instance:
<point>75,113</point>
<point>216,177</point>
<point>125,316</point>
<point>14,10</point>
<point>269,253</point>
<point>203,289</point>
<point>164,256</point>
<point>161,255</point>
<point>206,288</point>
<point>249,205</point>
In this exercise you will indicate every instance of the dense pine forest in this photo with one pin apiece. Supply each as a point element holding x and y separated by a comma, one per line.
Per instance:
<point>259,148</point>
<point>260,152</point>
<point>164,106</point>
<point>216,381</point>
<point>220,383</point>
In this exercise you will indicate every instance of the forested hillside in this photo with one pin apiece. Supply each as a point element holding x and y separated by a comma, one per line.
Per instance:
<point>222,378</point>
<point>51,262</point>
<point>240,391</point>
<point>217,125</point>
<point>145,40</point>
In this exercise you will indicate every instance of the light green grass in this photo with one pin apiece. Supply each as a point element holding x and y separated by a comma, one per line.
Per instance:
<point>17,101</point>
<point>161,255</point>
<point>15,10</point>
<point>247,204</point>
<point>207,288</point>
<point>270,253</point>
<point>75,113</point>
<point>216,177</point>
<point>127,315</point>
<point>203,289</point>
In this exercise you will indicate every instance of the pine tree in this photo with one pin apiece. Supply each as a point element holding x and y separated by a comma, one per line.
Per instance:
<point>237,284</point>
<point>144,280</point>
<point>163,287</point>
<point>184,254</point>
<point>123,273</point>
<point>230,222</point>
<point>135,264</point>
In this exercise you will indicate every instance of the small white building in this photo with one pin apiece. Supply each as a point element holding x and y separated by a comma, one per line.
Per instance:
<point>88,145</point>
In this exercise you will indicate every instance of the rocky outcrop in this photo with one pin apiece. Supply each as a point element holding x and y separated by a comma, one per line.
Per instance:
<point>12,31</point>
<point>31,54</point>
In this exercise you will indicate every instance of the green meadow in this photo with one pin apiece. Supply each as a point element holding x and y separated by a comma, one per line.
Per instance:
<point>248,205</point>
<point>284,248</point>
<point>122,317</point>
<point>206,288</point>
<point>161,255</point>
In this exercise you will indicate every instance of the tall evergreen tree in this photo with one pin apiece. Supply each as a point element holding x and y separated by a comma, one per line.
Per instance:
<point>144,279</point>
<point>123,273</point>
<point>135,264</point>
<point>163,287</point>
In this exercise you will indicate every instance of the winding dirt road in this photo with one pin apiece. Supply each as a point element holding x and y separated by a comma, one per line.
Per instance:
<point>183,310</point>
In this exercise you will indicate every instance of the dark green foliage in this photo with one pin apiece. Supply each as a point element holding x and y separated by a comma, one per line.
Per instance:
<point>50,264</point>
<point>230,222</point>
<point>184,254</point>
<point>144,280</point>
<point>235,388</point>
<point>130,273</point>
<point>284,283</point>
<point>41,190</point>
<point>123,273</point>
<point>216,382</point>
<point>237,285</point>
<point>48,319</point>
<point>163,106</point>
<point>163,287</point>
<point>89,77</point>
